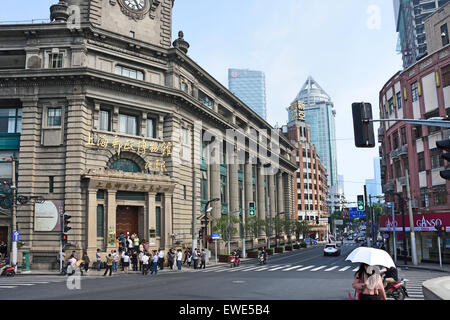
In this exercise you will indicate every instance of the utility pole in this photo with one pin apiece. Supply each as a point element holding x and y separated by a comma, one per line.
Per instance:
<point>393,229</point>
<point>14,214</point>
<point>365,209</point>
<point>411,222</point>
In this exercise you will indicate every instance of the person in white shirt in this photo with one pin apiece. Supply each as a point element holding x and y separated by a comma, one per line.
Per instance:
<point>141,255</point>
<point>144,260</point>
<point>126,262</point>
<point>72,265</point>
<point>161,259</point>
<point>155,262</point>
<point>179,258</point>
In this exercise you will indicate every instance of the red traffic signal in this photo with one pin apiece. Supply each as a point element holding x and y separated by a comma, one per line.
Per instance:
<point>444,145</point>
<point>440,229</point>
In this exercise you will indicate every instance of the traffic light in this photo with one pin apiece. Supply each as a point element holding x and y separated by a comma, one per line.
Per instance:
<point>251,209</point>
<point>317,220</point>
<point>63,239</point>
<point>66,223</point>
<point>200,233</point>
<point>440,229</point>
<point>445,145</point>
<point>363,130</point>
<point>361,206</point>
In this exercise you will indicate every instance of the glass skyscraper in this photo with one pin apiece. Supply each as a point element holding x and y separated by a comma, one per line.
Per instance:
<point>320,115</point>
<point>250,87</point>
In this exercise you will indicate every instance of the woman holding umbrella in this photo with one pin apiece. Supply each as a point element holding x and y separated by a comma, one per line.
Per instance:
<point>368,283</point>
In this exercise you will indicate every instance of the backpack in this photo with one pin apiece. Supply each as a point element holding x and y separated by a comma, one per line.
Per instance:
<point>392,273</point>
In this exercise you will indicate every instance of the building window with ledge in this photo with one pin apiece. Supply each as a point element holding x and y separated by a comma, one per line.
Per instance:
<point>128,124</point>
<point>129,72</point>
<point>56,60</point>
<point>403,135</point>
<point>421,160</point>
<point>444,35</point>
<point>158,221</point>
<point>424,203</point>
<point>10,120</point>
<point>105,120</point>
<point>440,195</point>
<point>100,221</point>
<point>205,99</point>
<point>437,161</point>
<point>151,128</point>
<point>399,100</point>
<point>184,87</point>
<point>415,91</point>
<point>54,117</point>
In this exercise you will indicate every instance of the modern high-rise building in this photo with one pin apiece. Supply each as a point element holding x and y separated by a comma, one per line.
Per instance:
<point>410,16</point>
<point>250,87</point>
<point>374,185</point>
<point>320,115</point>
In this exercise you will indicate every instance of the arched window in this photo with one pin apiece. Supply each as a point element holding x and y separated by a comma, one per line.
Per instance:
<point>125,165</point>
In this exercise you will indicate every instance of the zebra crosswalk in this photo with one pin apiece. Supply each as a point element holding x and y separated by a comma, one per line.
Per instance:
<point>279,268</point>
<point>30,281</point>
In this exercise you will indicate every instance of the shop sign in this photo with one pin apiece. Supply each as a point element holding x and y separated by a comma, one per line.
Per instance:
<point>112,235</point>
<point>422,222</point>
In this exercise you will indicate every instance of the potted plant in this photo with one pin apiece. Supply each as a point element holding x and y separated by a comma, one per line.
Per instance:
<point>224,258</point>
<point>288,247</point>
<point>253,253</point>
<point>279,249</point>
<point>270,251</point>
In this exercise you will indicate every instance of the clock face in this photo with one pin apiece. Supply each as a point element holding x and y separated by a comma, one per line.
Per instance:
<point>136,5</point>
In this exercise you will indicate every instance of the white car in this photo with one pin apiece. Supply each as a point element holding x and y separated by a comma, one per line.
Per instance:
<point>331,250</point>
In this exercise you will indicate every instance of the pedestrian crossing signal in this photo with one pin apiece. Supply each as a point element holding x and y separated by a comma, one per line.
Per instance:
<point>251,208</point>
<point>63,239</point>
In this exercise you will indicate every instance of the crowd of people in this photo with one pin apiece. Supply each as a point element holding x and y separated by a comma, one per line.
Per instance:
<point>134,254</point>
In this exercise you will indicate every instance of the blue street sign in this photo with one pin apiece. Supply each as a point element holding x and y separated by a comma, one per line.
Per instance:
<point>355,214</point>
<point>216,235</point>
<point>16,235</point>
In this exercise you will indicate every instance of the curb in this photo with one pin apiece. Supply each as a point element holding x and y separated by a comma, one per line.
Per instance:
<point>422,268</point>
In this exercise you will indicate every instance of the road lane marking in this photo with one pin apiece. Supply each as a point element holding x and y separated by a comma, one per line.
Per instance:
<point>250,269</point>
<point>292,268</point>
<point>345,268</point>
<point>20,284</point>
<point>7,287</point>
<point>262,269</point>
<point>318,268</point>
<point>277,268</point>
<point>306,268</point>
<point>356,269</point>
<point>332,268</point>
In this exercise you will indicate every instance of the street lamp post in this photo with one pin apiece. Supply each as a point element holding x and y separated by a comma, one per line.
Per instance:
<point>206,219</point>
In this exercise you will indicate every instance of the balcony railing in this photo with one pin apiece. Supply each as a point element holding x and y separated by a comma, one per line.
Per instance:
<point>388,187</point>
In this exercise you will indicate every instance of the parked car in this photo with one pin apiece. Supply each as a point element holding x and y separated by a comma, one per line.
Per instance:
<point>331,250</point>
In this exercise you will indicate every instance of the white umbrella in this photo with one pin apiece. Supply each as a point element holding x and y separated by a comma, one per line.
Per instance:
<point>371,257</point>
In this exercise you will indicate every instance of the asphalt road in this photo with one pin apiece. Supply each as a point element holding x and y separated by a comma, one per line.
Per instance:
<point>299,275</point>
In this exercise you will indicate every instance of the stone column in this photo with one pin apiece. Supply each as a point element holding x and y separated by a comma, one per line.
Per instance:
<point>150,217</point>
<point>261,197</point>
<point>234,192</point>
<point>167,229</point>
<point>280,191</point>
<point>92,223</point>
<point>271,180</point>
<point>111,208</point>
<point>215,185</point>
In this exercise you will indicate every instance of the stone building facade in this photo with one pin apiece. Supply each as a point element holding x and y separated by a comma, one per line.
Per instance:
<point>126,133</point>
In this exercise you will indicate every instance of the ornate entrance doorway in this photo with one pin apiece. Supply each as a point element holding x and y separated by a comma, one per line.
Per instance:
<point>127,220</point>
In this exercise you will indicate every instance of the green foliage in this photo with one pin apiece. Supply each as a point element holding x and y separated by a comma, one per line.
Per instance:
<point>225,225</point>
<point>254,226</point>
<point>301,227</point>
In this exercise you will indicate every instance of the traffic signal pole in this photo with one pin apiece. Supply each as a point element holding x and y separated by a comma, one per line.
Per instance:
<point>14,215</point>
<point>411,222</point>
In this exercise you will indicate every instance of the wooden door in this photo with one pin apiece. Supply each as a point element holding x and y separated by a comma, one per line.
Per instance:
<point>127,220</point>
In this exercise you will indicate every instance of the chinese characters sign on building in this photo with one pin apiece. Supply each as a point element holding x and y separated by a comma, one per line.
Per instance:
<point>142,148</point>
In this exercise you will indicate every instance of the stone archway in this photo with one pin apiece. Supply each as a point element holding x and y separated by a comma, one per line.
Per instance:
<point>124,160</point>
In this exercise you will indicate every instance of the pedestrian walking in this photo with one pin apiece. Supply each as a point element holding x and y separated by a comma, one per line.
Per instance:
<point>368,283</point>
<point>86,261</point>
<point>122,255</point>
<point>155,260</point>
<point>108,265</point>
<point>99,260</point>
<point>136,242</point>
<point>71,265</point>
<point>62,259</point>
<point>161,259</point>
<point>130,245</point>
<point>185,255</point>
<point>195,256</point>
<point>141,255</point>
<point>179,258</point>
<point>203,259</point>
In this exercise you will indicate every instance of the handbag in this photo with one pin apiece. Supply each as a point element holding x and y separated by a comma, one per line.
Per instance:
<point>355,296</point>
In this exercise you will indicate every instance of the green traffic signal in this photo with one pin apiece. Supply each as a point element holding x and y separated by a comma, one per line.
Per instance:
<point>360,203</point>
<point>251,208</point>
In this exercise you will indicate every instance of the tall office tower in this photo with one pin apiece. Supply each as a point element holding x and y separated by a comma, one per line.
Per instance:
<point>409,19</point>
<point>250,87</point>
<point>320,115</point>
<point>374,185</point>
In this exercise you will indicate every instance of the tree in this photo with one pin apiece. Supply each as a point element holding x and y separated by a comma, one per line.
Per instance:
<point>254,226</point>
<point>225,225</point>
<point>301,228</point>
<point>288,225</point>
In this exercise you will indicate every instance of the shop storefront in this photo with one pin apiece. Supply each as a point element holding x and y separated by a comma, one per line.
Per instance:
<point>427,247</point>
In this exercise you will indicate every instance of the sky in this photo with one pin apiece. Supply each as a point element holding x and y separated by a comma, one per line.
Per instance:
<point>347,46</point>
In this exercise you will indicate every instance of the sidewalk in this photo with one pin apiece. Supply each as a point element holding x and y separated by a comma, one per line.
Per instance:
<point>424,266</point>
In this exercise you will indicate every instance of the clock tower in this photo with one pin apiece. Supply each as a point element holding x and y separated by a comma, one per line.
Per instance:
<point>145,20</point>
